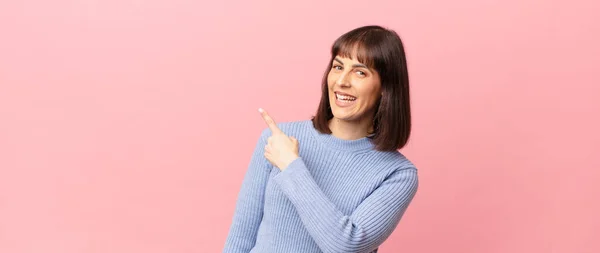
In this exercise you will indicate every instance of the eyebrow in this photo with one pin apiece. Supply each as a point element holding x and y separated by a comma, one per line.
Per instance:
<point>358,65</point>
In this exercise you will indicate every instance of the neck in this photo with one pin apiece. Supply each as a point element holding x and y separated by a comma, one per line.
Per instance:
<point>351,130</point>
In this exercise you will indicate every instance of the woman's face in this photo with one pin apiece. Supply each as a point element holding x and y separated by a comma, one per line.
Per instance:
<point>354,89</point>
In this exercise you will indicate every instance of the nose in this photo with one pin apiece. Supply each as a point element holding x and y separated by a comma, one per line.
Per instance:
<point>342,79</point>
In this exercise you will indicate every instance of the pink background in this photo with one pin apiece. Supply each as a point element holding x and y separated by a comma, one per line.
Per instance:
<point>127,126</point>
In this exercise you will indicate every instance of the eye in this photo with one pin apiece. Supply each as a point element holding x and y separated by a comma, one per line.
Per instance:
<point>337,67</point>
<point>361,73</point>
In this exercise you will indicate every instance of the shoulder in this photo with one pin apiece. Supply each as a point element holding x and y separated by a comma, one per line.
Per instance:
<point>395,162</point>
<point>401,171</point>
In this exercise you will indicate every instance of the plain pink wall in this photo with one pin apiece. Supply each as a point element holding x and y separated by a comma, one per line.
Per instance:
<point>127,126</point>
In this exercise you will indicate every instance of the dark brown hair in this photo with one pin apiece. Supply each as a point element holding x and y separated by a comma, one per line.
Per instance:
<point>380,49</point>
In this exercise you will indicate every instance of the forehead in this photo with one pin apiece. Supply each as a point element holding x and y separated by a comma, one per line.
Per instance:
<point>346,59</point>
<point>354,53</point>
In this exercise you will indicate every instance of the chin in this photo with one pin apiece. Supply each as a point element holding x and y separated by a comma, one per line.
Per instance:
<point>343,116</point>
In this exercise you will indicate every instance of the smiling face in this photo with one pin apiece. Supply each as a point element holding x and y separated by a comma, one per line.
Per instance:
<point>354,89</point>
<point>369,64</point>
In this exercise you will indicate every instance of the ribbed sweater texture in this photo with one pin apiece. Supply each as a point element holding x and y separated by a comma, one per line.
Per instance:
<point>339,196</point>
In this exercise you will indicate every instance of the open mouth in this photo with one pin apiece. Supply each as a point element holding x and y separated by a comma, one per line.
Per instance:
<point>344,98</point>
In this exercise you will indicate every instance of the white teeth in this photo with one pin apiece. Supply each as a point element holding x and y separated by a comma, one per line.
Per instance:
<point>346,98</point>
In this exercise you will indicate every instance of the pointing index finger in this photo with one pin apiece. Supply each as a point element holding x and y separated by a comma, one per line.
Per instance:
<point>270,122</point>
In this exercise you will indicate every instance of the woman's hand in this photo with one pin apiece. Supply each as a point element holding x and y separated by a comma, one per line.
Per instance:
<point>280,150</point>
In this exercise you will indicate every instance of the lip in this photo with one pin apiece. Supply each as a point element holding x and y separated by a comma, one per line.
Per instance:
<point>345,104</point>
<point>343,93</point>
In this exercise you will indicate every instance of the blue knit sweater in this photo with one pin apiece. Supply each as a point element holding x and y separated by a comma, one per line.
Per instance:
<point>339,196</point>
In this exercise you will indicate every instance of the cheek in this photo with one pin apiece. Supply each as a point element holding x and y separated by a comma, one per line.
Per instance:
<point>371,94</point>
<point>330,80</point>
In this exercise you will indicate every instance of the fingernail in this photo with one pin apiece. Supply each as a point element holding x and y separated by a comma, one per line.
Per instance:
<point>260,110</point>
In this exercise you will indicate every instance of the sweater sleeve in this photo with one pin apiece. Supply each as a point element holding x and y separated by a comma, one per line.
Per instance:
<point>371,223</point>
<point>250,201</point>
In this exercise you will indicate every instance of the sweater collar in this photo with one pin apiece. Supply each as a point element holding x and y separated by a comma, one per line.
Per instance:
<point>331,141</point>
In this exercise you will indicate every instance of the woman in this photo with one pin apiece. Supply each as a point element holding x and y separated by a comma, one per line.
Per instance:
<point>337,182</point>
